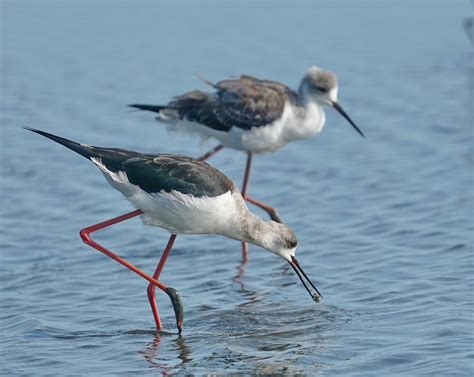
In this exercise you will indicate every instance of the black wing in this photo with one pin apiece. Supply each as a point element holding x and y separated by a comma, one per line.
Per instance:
<point>155,172</point>
<point>166,172</point>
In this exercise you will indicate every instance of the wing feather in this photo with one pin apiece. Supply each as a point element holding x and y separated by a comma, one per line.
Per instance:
<point>166,172</point>
<point>249,102</point>
<point>244,102</point>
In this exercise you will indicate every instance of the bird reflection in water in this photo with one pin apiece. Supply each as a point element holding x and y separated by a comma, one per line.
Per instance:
<point>240,271</point>
<point>151,353</point>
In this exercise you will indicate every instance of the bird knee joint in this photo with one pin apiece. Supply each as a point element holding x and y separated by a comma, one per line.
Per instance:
<point>84,233</point>
<point>151,290</point>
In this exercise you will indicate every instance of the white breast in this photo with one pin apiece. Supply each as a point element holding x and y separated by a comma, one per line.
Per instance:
<point>294,124</point>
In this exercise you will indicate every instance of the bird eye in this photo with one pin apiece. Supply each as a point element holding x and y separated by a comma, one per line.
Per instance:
<point>292,243</point>
<point>322,89</point>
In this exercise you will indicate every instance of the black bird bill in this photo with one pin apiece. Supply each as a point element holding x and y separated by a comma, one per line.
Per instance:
<point>310,287</point>
<point>344,114</point>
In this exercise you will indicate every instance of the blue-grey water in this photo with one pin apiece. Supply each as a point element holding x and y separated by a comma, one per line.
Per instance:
<point>385,223</point>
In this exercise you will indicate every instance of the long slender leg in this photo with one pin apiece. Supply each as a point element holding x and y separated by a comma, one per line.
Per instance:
<point>156,275</point>
<point>171,292</point>
<point>248,166</point>
<point>212,152</point>
<point>245,184</point>
<point>270,210</point>
<point>85,235</point>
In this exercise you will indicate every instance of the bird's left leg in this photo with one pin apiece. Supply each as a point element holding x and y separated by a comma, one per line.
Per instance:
<point>171,292</point>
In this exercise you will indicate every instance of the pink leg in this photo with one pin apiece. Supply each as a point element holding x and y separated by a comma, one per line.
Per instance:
<point>270,210</point>
<point>245,184</point>
<point>212,152</point>
<point>156,275</point>
<point>171,292</point>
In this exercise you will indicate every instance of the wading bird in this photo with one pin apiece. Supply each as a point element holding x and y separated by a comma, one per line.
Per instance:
<point>183,196</point>
<point>255,116</point>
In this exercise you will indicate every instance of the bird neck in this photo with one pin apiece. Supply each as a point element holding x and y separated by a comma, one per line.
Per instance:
<point>310,112</point>
<point>257,231</point>
<point>266,234</point>
<point>246,226</point>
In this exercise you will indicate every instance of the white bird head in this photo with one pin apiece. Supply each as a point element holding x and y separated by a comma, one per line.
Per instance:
<point>279,239</point>
<point>321,87</point>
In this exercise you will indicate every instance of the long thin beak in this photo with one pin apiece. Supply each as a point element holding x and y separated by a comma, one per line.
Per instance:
<point>315,295</point>
<point>344,114</point>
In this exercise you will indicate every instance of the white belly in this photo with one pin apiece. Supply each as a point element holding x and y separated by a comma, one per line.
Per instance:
<point>185,214</point>
<point>177,212</point>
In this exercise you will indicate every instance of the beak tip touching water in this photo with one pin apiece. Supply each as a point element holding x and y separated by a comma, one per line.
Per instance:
<point>316,297</point>
<point>314,293</point>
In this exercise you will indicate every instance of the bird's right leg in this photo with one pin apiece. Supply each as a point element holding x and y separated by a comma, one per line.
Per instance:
<point>171,292</point>
<point>152,288</point>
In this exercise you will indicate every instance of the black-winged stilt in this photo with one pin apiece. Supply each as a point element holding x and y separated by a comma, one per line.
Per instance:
<point>184,196</point>
<point>255,116</point>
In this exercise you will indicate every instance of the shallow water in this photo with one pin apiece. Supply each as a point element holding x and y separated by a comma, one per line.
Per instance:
<point>385,224</point>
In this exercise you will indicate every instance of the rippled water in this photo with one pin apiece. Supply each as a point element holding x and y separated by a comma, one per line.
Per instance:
<point>385,224</point>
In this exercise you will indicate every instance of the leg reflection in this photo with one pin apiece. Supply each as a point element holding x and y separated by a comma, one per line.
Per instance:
<point>240,272</point>
<point>176,350</point>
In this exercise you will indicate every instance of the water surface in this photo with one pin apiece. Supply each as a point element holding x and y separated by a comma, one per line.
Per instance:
<point>385,224</point>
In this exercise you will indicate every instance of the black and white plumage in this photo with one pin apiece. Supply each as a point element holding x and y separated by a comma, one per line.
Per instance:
<point>184,196</point>
<point>254,115</point>
<point>187,196</point>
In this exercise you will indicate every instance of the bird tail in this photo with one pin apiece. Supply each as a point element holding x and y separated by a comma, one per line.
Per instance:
<point>82,149</point>
<point>152,108</point>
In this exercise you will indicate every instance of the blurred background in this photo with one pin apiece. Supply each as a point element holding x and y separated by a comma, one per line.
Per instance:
<point>385,223</point>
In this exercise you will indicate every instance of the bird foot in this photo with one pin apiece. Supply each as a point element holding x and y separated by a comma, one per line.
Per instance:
<point>177,306</point>
<point>275,217</point>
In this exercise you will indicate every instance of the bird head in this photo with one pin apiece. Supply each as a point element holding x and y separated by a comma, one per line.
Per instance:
<point>282,241</point>
<point>321,87</point>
